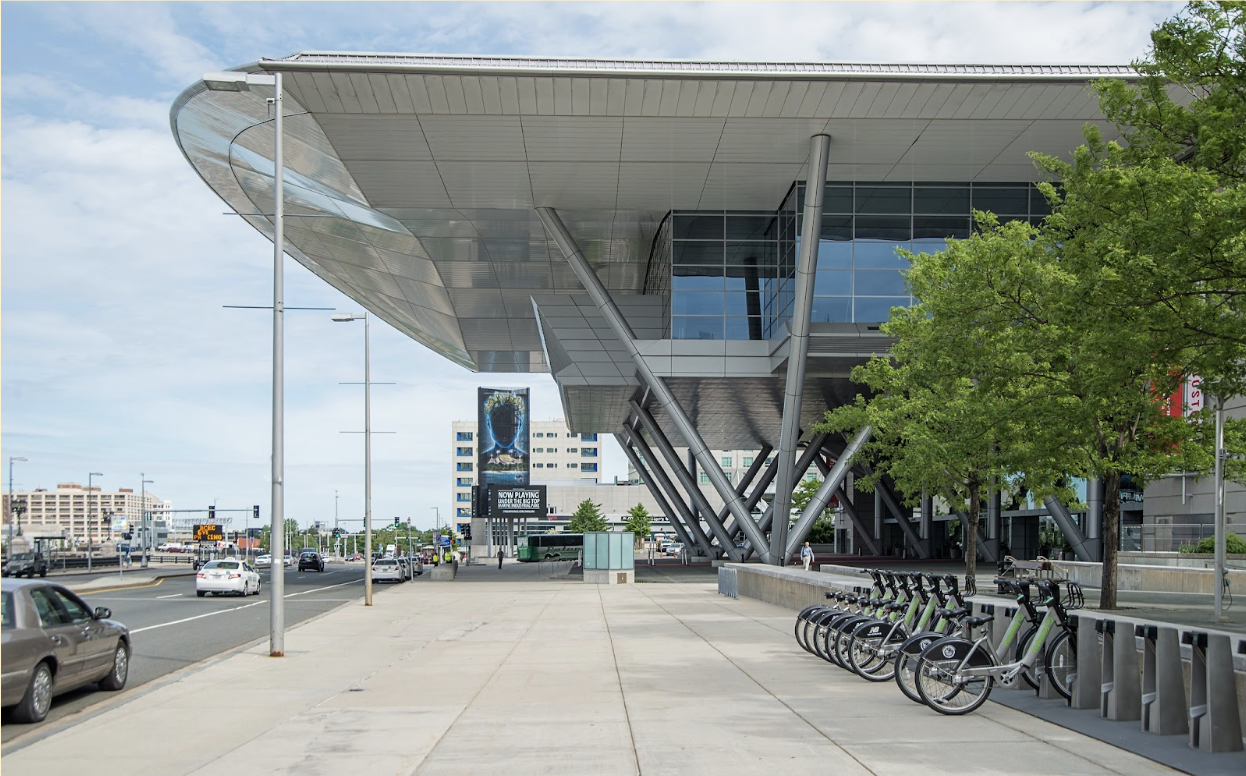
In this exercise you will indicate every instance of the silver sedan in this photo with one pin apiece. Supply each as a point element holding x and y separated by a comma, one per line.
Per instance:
<point>53,642</point>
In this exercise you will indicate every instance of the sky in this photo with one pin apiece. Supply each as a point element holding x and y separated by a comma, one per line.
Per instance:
<point>116,353</point>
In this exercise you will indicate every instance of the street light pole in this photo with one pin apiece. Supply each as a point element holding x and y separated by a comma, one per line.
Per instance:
<point>143,517</point>
<point>13,513</point>
<point>90,478</point>
<point>233,81</point>
<point>367,452</point>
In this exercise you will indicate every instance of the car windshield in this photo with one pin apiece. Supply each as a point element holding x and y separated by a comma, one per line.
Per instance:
<point>221,564</point>
<point>386,563</point>
<point>309,555</point>
<point>22,556</point>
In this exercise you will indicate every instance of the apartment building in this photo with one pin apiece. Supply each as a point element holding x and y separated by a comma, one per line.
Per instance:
<point>557,457</point>
<point>74,512</point>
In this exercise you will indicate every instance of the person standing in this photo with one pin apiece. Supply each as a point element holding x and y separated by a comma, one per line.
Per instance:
<point>501,554</point>
<point>806,555</point>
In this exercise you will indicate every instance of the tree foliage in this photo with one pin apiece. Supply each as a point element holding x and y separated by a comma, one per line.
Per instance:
<point>587,518</point>
<point>639,521</point>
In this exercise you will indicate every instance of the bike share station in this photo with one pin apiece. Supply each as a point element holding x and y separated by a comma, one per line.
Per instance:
<point>1174,694</point>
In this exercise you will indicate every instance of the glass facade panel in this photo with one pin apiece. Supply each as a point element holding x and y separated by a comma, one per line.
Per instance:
<point>748,258</point>
<point>831,309</point>
<point>684,327</point>
<point>697,304</point>
<point>870,254</point>
<point>588,437</point>
<point>877,309</point>
<point>834,254</point>
<point>833,282</point>
<point>879,283</point>
<point>884,199</point>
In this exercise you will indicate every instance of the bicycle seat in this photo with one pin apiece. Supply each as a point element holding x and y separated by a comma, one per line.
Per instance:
<point>894,606</point>
<point>974,622</point>
<point>957,612</point>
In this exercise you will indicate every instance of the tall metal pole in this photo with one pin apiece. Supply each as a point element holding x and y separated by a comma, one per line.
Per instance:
<point>1218,510</point>
<point>90,478</point>
<point>276,611</point>
<point>367,462</point>
<point>143,513</point>
<point>13,512</point>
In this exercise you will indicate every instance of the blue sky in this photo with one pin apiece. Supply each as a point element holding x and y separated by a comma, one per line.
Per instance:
<point>115,352</point>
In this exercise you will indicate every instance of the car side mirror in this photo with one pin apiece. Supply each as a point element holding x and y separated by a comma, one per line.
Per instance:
<point>102,613</point>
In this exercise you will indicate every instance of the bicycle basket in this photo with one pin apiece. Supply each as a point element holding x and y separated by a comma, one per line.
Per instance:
<point>1071,596</point>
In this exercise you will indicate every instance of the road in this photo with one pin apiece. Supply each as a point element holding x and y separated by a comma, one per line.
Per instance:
<point>171,628</point>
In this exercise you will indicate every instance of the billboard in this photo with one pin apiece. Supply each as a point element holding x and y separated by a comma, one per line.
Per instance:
<point>208,532</point>
<point>517,502</point>
<point>502,425</point>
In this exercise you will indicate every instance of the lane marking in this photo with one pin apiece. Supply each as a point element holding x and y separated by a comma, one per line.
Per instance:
<point>330,587</point>
<point>175,595</point>
<point>198,617</point>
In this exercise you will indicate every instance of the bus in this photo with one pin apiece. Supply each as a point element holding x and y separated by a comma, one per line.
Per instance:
<point>559,546</point>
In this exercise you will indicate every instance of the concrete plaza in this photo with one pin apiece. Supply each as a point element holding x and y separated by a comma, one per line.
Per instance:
<point>518,672</point>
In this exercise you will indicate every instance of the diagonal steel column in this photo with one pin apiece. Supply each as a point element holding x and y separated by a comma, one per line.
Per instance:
<point>820,499</point>
<point>984,549</point>
<point>695,496</point>
<point>812,454</point>
<point>654,490</point>
<point>1064,520</point>
<point>798,342</point>
<point>606,306</point>
<point>893,506</point>
<point>691,525</point>
<point>850,509</point>
<point>733,530</point>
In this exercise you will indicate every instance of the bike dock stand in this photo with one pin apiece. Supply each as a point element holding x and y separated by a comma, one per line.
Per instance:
<point>1163,688</point>
<point>1087,690</point>
<point>1214,723</point>
<point>1121,691</point>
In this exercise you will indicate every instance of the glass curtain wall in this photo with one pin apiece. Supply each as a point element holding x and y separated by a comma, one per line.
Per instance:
<point>732,274</point>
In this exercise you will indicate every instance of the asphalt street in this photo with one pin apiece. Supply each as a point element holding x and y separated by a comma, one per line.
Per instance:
<point>171,628</point>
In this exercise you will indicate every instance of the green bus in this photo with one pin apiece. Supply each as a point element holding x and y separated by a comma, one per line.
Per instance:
<point>558,546</point>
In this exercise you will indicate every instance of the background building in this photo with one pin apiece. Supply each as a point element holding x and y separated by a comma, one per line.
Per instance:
<point>72,512</point>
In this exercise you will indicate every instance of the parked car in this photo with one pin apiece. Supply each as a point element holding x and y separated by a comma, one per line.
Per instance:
<point>228,575</point>
<point>386,570</point>
<point>54,642</point>
<point>408,571</point>
<point>25,564</point>
<point>312,561</point>
<point>675,549</point>
<point>264,561</point>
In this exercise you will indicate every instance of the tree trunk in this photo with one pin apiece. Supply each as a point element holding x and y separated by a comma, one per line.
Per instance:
<point>1111,539</point>
<point>971,530</point>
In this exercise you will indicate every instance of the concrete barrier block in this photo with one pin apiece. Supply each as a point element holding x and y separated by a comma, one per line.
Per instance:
<point>1163,688</point>
<point>1215,725</point>
<point>1087,690</point>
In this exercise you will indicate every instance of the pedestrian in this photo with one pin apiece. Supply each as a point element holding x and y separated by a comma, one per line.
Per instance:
<point>806,555</point>
<point>501,554</point>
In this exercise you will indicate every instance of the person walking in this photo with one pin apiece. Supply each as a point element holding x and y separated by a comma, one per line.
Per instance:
<point>501,554</point>
<point>806,555</point>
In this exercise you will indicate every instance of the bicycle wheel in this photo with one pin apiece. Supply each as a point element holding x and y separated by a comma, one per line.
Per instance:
<point>938,683</point>
<point>864,648</point>
<point>843,639</point>
<point>906,663</point>
<point>822,633</point>
<point>802,620</point>
<point>1060,663</point>
<point>884,668</point>
<point>1030,675</point>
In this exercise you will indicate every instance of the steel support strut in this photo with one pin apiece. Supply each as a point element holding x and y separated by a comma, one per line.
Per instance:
<point>850,509</point>
<point>911,536</point>
<point>692,526</point>
<point>798,343</point>
<point>812,453</point>
<point>724,517</point>
<point>696,498</point>
<point>820,499</point>
<point>654,490</point>
<point>683,424</point>
<point>1071,532</point>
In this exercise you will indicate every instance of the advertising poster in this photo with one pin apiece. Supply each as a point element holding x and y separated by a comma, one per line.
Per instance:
<point>517,502</point>
<point>504,429</point>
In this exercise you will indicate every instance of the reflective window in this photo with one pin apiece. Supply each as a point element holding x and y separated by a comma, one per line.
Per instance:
<point>685,327</point>
<point>833,282</point>
<point>464,436</point>
<point>463,467</point>
<point>828,309</point>
<point>934,201</point>
<point>879,255</point>
<point>745,328</point>
<point>1002,198</point>
<point>697,304</point>
<point>884,199</point>
<point>877,309</point>
<point>879,283</point>
<point>834,254</point>
<point>699,227</point>
<point>588,437</point>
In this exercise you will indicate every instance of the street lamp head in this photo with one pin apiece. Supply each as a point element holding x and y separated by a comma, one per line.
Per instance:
<point>13,458</point>
<point>346,317</point>
<point>231,81</point>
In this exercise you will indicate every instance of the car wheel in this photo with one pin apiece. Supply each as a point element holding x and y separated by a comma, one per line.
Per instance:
<point>43,573</point>
<point>120,668</point>
<point>257,588</point>
<point>201,593</point>
<point>37,701</point>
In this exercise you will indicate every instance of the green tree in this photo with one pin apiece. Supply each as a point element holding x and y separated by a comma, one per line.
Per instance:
<point>587,518</point>
<point>639,522</point>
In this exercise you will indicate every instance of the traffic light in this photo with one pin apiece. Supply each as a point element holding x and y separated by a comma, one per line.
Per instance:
<point>465,529</point>
<point>397,522</point>
<point>255,511</point>
<point>212,514</point>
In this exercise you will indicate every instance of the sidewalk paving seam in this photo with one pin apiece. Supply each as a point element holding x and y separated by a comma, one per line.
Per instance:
<point>618,676</point>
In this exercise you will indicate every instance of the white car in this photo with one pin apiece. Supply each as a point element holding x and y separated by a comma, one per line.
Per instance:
<point>264,561</point>
<point>675,549</point>
<point>387,569</point>
<point>227,576</point>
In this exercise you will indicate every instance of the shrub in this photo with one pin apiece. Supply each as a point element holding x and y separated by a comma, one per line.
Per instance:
<point>1233,545</point>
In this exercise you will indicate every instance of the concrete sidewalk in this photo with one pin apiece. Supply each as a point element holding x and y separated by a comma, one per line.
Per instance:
<point>515,672</point>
